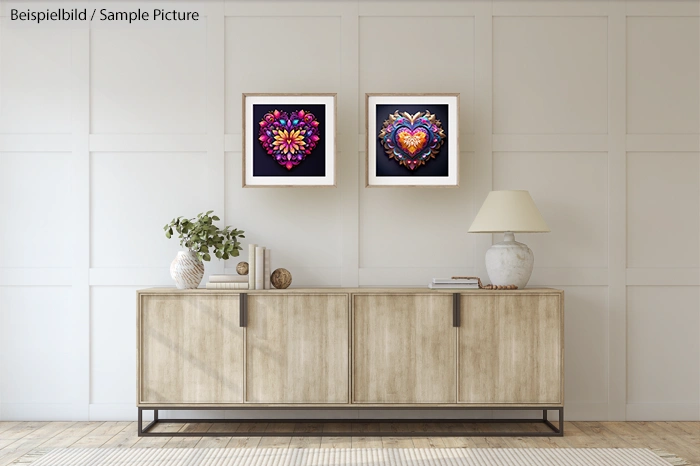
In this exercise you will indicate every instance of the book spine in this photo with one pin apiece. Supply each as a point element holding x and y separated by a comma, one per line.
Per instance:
<point>440,281</point>
<point>227,286</point>
<point>251,266</point>
<point>267,271</point>
<point>259,267</point>
<point>232,279</point>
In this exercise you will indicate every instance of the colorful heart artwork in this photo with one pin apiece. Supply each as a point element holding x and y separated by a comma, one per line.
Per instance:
<point>289,138</point>
<point>412,140</point>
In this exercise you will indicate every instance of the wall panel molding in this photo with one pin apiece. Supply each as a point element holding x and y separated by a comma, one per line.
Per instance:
<point>149,142</point>
<point>348,164</point>
<point>663,412</point>
<point>663,8</point>
<point>80,71</point>
<point>36,143</point>
<point>617,213</point>
<point>569,276</point>
<point>281,8</point>
<point>546,8</point>
<point>663,276</point>
<point>550,143</point>
<point>216,113</point>
<point>483,122</point>
<point>586,411</point>
<point>10,276</point>
<point>437,9</point>
<point>663,143</point>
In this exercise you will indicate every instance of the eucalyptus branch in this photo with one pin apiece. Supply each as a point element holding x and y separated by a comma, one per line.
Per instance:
<point>200,235</point>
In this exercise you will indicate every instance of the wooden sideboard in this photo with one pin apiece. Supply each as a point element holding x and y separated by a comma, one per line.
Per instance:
<point>350,348</point>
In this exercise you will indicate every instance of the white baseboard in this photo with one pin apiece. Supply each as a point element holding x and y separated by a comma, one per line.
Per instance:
<point>583,411</point>
<point>116,412</point>
<point>43,412</point>
<point>663,411</point>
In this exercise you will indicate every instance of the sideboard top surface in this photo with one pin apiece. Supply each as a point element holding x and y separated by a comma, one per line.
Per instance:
<point>365,290</point>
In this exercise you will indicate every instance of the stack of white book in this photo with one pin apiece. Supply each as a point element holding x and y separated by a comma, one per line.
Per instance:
<point>454,283</point>
<point>259,267</point>
<point>228,282</point>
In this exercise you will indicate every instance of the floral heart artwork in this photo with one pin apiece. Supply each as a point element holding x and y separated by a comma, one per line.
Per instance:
<point>289,138</point>
<point>412,140</point>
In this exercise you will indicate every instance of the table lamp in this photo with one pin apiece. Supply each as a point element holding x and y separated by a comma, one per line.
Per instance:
<point>509,212</point>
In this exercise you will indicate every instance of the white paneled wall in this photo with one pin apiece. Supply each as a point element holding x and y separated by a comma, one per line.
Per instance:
<point>107,133</point>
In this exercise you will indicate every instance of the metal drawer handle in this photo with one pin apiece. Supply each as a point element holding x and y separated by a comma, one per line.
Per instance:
<point>243,309</point>
<point>455,310</point>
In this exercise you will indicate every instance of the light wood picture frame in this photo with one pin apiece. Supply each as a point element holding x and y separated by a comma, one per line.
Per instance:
<point>412,140</point>
<point>289,140</point>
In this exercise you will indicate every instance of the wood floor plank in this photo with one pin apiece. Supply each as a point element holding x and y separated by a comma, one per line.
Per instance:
<point>364,427</point>
<point>366,442</point>
<point>199,442</point>
<point>243,442</point>
<point>72,434</point>
<point>397,442</point>
<point>252,427</point>
<point>213,442</point>
<point>157,442</point>
<point>457,442</point>
<point>645,435</point>
<point>16,432</point>
<point>31,441</point>
<point>101,435</point>
<point>124,439</point>
<point>20,430</point>
<point>277,442</point>
<point>596,434</point>
<point>427,441</point>
<point>6,425</point>
<point>681,428</point>
<point>308,428</point>
<point>247,442</point>
<point>182,442</point>
<point>305,442</point>
<point>329,441</point>
<point>225,427</point>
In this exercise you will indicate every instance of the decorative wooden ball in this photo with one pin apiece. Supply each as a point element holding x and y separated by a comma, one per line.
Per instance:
<point>242,268</point>
<point>281,279</point>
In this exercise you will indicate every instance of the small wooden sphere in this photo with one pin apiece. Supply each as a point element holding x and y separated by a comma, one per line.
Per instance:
<point>242,268</point>
<point>281,279</point>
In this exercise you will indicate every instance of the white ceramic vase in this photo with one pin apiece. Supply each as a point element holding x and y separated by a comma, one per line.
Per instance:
<point>187,270</point>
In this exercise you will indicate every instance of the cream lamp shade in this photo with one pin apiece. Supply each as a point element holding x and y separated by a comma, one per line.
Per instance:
<point>513,211</point>
<point>509,212</point>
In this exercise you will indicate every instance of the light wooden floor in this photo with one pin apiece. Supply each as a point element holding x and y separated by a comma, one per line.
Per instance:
<point>19,438</point>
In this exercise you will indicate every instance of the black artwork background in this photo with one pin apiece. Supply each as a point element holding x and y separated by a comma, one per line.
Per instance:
<point>313,165</point>
<point>439,166</point>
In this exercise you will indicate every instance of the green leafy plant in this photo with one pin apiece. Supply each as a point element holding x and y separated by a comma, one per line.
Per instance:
<point>200,234</point>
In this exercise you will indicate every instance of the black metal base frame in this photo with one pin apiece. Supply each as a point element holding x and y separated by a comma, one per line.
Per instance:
<point>555,431</point>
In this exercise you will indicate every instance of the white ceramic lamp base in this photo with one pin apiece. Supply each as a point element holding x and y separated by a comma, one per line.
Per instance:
<point>509,262</point>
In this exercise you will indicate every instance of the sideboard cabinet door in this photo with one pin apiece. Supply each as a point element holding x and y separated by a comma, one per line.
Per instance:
<point>403,349</point>
<point>190,349</point>
<point>510,349</point>
<point>297,348</point>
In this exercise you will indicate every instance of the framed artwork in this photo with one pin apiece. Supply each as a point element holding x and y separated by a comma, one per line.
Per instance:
<point>412,140</point>
<point>289,140</point>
